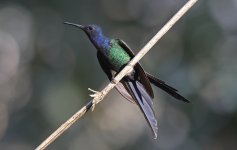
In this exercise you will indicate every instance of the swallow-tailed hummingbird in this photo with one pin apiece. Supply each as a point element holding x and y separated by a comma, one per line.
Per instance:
<point>113,55</point>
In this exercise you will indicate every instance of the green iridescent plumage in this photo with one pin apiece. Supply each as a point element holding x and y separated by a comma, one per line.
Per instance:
<point>113,55</point>
<point>117,56</point>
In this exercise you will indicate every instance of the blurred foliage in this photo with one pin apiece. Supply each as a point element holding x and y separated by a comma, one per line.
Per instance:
<point>46,68</point>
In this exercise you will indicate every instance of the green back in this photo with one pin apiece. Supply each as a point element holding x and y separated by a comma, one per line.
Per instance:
<point>118,57</point>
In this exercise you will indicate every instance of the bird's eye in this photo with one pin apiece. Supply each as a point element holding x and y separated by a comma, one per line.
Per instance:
<point>90,28</point>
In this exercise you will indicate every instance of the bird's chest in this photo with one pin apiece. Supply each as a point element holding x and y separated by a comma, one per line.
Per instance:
<point>118,58</point>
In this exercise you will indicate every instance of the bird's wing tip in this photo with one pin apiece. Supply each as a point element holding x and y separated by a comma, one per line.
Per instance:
<point>155,136</point>
<point>185,100</point>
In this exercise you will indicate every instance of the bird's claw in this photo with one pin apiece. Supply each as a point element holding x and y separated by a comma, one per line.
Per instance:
<point>94,101</point>
<point>95,93</point>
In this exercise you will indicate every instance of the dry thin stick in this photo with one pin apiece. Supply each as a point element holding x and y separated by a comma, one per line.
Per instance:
<point>100,95</point>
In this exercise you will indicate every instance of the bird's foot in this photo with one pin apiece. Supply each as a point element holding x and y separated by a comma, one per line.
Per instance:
<point>94,101</point>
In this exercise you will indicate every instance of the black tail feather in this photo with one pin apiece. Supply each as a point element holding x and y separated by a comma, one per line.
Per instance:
<point>142,99</point>
<point>162,85</point>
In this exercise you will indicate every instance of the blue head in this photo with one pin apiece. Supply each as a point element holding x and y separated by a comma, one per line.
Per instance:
<point>94,32</point>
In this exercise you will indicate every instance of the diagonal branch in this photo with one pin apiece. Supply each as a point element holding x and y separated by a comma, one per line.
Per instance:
<point>99,97</point>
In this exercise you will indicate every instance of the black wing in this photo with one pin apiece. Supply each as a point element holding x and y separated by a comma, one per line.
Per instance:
<point>138,69</point>
<point>108,71</point>
<point>157,82</point>
<point>133,91</point>
<point>104,65</point>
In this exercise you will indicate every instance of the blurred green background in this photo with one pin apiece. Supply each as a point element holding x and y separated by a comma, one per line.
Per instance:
<point>46,68</point>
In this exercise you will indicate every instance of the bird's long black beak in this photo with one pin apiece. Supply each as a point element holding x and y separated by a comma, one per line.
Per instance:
<point>74,24</point>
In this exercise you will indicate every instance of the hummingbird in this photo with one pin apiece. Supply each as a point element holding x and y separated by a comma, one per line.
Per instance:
<point>113,55</point>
